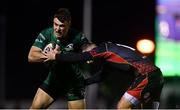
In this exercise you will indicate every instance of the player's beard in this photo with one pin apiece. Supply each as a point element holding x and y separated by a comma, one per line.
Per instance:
<point>58,34</point>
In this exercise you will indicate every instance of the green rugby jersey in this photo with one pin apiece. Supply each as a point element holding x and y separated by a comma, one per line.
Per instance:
<point>60,73</point>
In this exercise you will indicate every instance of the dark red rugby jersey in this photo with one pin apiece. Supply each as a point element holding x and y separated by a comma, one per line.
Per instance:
<point>123,54</point>
<point>115,54</point>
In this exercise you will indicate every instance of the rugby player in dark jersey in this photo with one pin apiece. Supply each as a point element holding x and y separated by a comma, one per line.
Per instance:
<point>148,81</point>
<point>63,79</point>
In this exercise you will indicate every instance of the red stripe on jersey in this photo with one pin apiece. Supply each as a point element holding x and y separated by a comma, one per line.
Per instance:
<point>137,91</point>
<point>109,56</point>
<point>116,58</point>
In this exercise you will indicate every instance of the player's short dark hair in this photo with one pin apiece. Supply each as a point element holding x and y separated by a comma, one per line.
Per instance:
<point>63,14</point>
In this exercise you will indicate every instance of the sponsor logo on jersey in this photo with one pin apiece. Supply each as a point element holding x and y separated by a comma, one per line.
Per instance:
<point>39,40</point>
<point>42,36</point>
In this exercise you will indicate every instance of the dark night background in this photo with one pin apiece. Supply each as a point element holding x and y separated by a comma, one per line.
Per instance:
<point>120,21</point>
<point>123,21</point>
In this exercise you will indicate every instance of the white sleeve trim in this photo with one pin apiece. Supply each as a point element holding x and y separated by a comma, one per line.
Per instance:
<point>131,98</point>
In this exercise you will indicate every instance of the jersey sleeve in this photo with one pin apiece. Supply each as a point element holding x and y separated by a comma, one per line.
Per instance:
<point>73,57</point>
<point>42,38</point>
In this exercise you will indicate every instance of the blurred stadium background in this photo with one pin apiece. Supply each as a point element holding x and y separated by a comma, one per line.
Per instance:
<point>124,21</point>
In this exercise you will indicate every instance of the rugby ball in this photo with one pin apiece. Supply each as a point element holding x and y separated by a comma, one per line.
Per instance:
<point>49,47</point>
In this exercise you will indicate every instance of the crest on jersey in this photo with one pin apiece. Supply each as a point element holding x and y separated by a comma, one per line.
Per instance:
<point>69,47</point>
<point>83,37</point>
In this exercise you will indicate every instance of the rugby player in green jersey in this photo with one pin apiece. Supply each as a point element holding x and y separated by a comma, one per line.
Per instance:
<point>63,79</point>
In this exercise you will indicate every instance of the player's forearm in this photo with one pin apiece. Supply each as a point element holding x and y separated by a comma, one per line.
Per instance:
<point>36,57</point>
<point>74,57</point>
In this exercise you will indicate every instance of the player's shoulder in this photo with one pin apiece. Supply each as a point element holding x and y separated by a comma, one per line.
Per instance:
<point>46,33</point>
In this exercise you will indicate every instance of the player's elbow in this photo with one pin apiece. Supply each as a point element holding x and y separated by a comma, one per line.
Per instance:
<point>34,54</point>
<point>30,58</point>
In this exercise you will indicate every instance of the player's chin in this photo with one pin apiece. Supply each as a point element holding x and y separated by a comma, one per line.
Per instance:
<point>59,36</point>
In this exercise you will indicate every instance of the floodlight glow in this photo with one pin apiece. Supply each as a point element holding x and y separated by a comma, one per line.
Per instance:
<point>145,46</point>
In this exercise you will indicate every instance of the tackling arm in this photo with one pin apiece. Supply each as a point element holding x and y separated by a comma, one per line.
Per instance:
<point>72,57</point>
